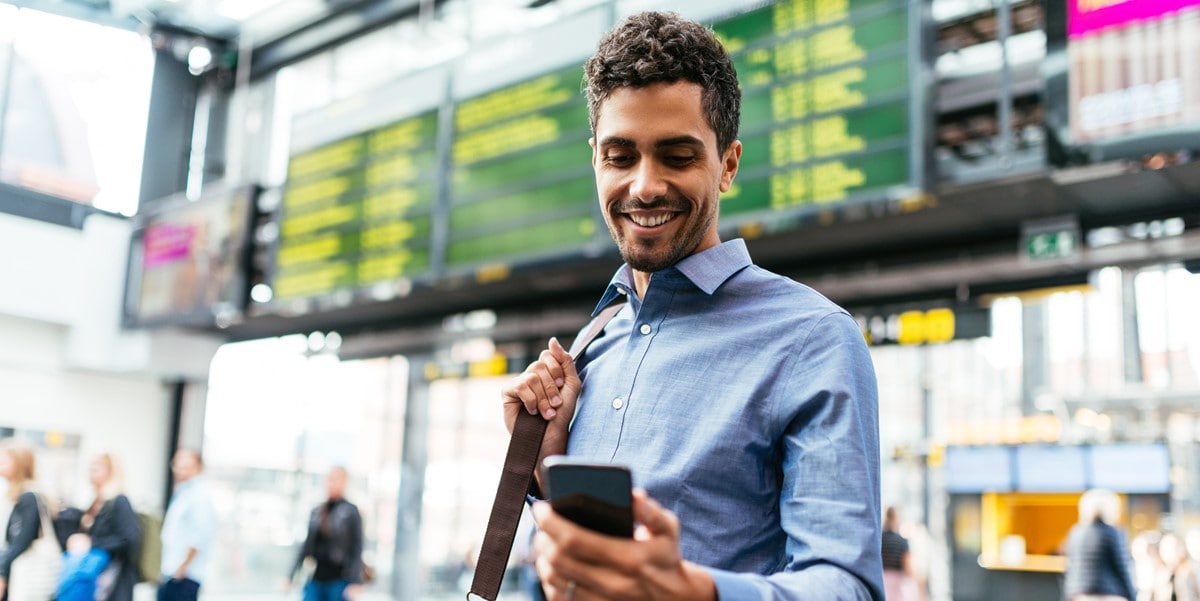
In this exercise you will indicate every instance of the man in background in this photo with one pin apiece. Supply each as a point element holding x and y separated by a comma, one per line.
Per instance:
<point>188,530</point>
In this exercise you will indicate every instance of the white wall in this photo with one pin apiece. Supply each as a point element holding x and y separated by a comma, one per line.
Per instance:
<point>65,363</point>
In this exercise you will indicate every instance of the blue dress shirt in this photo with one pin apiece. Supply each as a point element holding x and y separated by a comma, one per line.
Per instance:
<point>190,523</point>
<point>745,403</point>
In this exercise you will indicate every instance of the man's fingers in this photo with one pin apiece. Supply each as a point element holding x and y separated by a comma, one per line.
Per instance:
<point>570,376</point>
<point>549,383</point>
<point>586,546</point>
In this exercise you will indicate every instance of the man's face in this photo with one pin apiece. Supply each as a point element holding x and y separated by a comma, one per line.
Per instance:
<point>184,466</point>
<point>659,174</point>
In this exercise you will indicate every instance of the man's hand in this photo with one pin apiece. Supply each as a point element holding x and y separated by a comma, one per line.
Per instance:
<point>352,592</point>
<point>550,387</point>
<point>3,586</point>
<point>578,564</point>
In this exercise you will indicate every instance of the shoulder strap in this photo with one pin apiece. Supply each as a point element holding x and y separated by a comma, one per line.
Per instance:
<point>519,464</point>
<point>44,516</point>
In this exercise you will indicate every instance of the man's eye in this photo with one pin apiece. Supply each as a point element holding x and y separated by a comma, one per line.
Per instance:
<point>618,159</point>
<point>680,160</point>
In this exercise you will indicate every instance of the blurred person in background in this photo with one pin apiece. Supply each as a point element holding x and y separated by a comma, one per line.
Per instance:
<point>899,583</point>
<point>335,543</point>
<point>188,531</point>
<point>18,467</point>
<point>1171,582</point>
<point>1145,563</point>
<point>113,528</point>
<point>1097,558</point>
<point>81,569</point>
<point>1190,570</point>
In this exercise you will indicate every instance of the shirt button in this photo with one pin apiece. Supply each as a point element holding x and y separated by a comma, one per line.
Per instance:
<point>622,291</point>
<point>645,329</point>
<point>618,403</point>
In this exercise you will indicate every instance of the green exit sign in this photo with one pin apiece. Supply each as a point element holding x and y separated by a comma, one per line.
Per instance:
<point>1051,245</point>
<point>1050,239</point>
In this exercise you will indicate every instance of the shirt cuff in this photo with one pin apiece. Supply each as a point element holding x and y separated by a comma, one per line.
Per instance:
<point>733,587</point>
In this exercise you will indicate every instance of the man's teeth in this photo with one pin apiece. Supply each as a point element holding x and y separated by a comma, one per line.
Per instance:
<point>651,221</point>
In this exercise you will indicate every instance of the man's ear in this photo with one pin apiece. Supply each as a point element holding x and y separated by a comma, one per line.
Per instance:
<point>592,143</point>
<point>729,164</point>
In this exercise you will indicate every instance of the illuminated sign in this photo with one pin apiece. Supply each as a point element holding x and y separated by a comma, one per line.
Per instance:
<point>825,105</point>
<point>521,183</point>
<point>358,212</point>
<point>1135,66</point>
<point>924,326</point>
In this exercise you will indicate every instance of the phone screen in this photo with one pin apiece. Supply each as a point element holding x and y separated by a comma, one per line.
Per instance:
<point>594,496</point>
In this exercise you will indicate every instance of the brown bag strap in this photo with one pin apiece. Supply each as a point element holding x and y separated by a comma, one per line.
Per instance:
<point>519,463</point>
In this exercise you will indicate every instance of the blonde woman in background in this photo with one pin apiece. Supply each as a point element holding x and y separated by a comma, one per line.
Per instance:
<point>17,466</point>
<point>113,526</point>
<point>1097,558</point>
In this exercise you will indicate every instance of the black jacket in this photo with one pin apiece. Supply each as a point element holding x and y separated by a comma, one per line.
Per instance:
<point>24,525</point>
<point>1097,562</point>
<point>116,530</point>
<point>342,545</point>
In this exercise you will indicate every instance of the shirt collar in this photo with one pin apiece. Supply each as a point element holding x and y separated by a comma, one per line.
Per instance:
<point>707,270</point>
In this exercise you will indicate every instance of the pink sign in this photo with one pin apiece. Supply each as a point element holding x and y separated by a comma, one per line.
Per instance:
<point>1086,16</point>
<point>167,242</point>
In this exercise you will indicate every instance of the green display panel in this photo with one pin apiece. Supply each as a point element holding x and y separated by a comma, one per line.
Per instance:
<point>359,211</point>
<point>825,105</point>
<point>521,183</point>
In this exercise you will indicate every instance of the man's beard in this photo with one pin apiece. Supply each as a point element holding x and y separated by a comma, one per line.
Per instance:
<point>678,248</point>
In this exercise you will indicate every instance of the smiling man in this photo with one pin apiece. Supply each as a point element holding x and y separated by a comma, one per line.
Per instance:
<point>744,402</point>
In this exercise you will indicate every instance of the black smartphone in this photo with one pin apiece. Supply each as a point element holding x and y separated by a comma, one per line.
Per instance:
<point>595,496</point>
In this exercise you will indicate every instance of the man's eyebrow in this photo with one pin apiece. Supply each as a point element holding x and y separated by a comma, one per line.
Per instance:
<point>679,141</point>
<point>676,141</point>
<point>617,141</point>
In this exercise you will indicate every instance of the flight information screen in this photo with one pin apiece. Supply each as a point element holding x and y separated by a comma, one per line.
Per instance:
<point>521,183</point>
<point>358,212</point>
<point>825,104</point>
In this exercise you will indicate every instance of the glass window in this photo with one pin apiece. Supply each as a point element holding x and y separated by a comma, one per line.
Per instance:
<point>280,414</point>
<point>86,85</point>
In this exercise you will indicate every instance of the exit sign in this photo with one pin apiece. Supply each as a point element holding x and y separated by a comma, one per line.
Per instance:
<point>1050,239</point>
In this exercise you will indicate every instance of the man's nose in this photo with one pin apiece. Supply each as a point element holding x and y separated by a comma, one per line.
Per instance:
<point>648,182</point>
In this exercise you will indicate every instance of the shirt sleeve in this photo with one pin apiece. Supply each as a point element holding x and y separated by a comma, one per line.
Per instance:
<point>202,522</point>
<point>354,565</point>
<point>23,525</point>
<point>829,500</point>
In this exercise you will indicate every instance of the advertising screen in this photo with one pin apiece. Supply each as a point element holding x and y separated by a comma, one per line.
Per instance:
<point>188,264</point>
<point>1134,66</point>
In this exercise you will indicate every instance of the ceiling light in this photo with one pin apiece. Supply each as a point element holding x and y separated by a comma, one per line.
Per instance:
<point>199,58</point>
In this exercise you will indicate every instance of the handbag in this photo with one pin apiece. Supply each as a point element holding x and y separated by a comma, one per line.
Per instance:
<point>33,575</point>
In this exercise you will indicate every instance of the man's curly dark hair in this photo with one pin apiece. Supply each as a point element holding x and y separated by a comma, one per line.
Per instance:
<point>653,47</point>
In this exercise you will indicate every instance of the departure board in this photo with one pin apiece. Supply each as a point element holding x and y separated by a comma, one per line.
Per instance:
<point>521,183</point>
<point>358,212</point>
<point>825,105</point>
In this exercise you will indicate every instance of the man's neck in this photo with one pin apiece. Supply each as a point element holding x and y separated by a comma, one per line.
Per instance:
<point>641,282</point>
